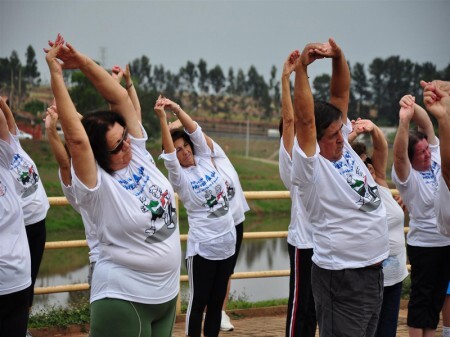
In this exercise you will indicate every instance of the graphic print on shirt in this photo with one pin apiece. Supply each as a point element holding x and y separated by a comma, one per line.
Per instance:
<point>369,197</point>
<point>2,189</point>
<point>429,176</point>
<point>153,200</point>
<point>26,174</point>
<point>230,190</point>
<point>210,189</point>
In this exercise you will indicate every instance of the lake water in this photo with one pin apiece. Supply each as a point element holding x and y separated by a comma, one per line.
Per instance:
<point>255,255</point>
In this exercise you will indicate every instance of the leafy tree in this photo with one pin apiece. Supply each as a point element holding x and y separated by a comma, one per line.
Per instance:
<point>35,107</point>
<point>31,74</point>
<point>141,70</point>
<point>84,95</point>
<point>159,78</point>
<point>231,89</point>
<point>360,90</point>
<point>321,86</point>
<point>241,87</point>
<point>188,74</point>
<point>203,76</point>
<point>216,79</point>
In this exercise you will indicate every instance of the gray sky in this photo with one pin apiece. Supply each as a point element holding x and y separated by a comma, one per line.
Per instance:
<point>229,33</point>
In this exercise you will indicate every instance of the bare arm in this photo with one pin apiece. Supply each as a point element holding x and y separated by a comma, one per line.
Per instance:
<point>380,148</point>
<point>436,97</point>
<point>402,164</point>
<point>287,110</point>
<point>166,138</point>
<point>303,101</point>
<point>11,122</point>
<point>58,149</point>
<point>83,158</point>
<point>184,118</point>
<point>118,74</point>
<point>111,91</point>
<point>340,80</point>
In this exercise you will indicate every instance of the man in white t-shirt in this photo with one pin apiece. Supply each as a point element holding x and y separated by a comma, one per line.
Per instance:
<point>342,202</point>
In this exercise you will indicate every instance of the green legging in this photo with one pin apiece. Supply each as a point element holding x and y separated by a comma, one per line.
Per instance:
<point>117,318</point>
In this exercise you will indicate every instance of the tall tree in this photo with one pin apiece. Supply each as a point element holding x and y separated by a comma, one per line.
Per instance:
<point>203,76</point>
<point>231,88</point>
<point>31,73</point>
<point>141,71</point>
<point>360,89</point>
<point>216,79</point>
<point>241,87</point>
<point>321,86</point>
<point>188,74</point>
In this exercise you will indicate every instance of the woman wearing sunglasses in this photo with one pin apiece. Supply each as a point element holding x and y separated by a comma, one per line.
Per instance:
<point>115,181</point>
<point>211,244</point>
<point>394,267</point>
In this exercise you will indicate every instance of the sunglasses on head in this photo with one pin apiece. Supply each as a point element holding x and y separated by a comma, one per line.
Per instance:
<point>368,161</point>
<point>119,145</point>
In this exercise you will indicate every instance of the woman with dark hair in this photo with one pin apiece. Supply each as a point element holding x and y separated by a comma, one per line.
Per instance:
<point>212,236</point>
<point>136,278</point>
<point>394,267</point>
<point>416,173</point>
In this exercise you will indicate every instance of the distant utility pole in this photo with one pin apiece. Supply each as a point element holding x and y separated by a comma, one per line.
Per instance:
<point>103,56</point>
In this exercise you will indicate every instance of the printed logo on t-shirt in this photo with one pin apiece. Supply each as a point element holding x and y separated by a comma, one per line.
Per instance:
<point>429,177</point>
<point>2,189</point>
<point>216,199</point>
<point>153,200</point>
<point>25,173</point>
<point>369,197</point>
<point>230,190</point>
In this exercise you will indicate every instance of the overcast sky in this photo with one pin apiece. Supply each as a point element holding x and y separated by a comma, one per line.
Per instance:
<point>229,33</point>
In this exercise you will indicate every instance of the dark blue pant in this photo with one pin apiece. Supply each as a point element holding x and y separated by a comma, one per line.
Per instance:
<point>301,316</point>
<point>387,323</point>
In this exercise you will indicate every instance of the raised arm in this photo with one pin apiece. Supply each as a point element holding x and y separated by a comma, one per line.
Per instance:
<point>118,74</point>
<point>166,138</point>
<point>11,122</point>
<point>305,124</point>
<point>58,149</point>
<point>287,110</point>
<point>402,164</point>
<point>340,77</point>
<point>380,148</point>
<point>424,124</point>
<point>436,97</point>
<point>184,118</point>
<point>76,138</point>
<point>111,91</point>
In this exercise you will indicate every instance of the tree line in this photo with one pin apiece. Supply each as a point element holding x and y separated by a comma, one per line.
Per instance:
<point>376,89</point>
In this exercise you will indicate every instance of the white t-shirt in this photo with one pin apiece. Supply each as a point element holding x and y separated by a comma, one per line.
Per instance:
<point>344,207</point>
<point>300,229</point>
<point>15,263</point>
<point>34,199</point>
<point>238,203</point>
<point>394,267</point>
<point>134,210</point>
<point>203,192</point>
<point>442,206</point>
<point>418,193</point>
<point>90,229</point>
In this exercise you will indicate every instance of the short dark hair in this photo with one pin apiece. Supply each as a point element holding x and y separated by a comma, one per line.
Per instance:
<point>360,148</point>
<point>97,124</point>
<point>177,134</point>
<point>415,136</point>
<point>325,113</point>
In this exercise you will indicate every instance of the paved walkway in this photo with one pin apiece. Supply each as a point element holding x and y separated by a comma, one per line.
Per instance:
<point>265,322</point>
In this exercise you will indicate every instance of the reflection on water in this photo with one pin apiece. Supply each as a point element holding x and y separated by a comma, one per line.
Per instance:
<point>255,255</point>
